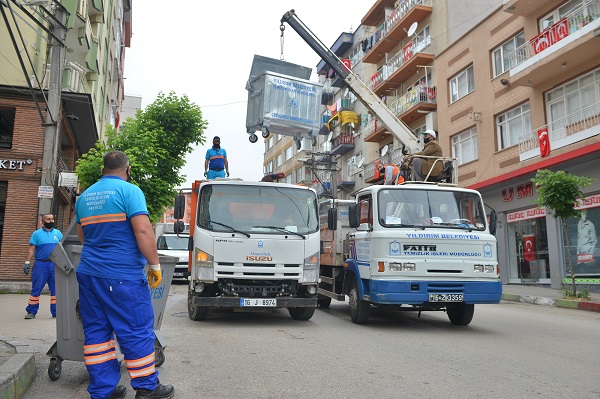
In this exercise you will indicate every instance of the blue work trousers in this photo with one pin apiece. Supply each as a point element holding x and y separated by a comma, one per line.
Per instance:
<point>122,307</point>
<point>42,274</point>
<point>213,174</point>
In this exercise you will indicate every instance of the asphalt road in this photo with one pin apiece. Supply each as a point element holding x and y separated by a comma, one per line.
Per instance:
<point>510,350</point>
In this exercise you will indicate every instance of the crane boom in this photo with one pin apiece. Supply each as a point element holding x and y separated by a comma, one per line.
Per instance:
<point>373,103</point>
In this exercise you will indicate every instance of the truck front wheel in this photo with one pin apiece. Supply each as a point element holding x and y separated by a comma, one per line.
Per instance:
<point>196,313</point>
<point>302,314</point>
<point>359,309</point>
<point>461,314</point>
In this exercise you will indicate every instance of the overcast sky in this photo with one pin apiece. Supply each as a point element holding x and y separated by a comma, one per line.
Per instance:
<point>205,50</point>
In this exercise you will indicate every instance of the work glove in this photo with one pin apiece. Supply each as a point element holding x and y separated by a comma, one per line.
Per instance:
<point>227,173</point>
<point>26,268</point>
<point>206,173</point>
<point>154,276</point>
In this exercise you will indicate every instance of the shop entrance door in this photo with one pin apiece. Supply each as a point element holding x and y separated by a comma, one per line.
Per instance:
<point>528,250</point>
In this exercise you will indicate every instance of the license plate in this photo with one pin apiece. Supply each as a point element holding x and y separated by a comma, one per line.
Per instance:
<point>259,302</point>
<point>177,274</point>
<point>445,297</point>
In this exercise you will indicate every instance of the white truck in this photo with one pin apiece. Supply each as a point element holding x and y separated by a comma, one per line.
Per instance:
<point>415,246</point>
<point>253,245</point>
<point>172,244</point>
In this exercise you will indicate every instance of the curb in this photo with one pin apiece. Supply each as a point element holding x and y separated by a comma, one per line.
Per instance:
<point>17,375</point>
<point>559,303</point>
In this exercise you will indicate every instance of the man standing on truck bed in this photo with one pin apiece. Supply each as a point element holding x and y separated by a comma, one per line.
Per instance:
<point>215,164</point>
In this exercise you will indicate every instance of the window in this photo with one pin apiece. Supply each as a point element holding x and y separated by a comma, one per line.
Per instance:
<point>513,124</point>
<point>464,146</point>
<point>269,167</point>
<point>7,126</point>
<point>288,153</point>
<point>574,101</point>
<point>462,84</point>
<point>504,57</point>
<point>279,160</point>
<point>551,18</point>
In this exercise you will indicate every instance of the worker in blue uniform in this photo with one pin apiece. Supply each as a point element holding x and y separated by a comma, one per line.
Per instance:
<point>114,297</point>
<point>42,242</point>
<point>215,164</point>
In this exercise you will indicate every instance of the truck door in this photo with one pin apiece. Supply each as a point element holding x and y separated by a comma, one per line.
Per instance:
<point>360,239</point>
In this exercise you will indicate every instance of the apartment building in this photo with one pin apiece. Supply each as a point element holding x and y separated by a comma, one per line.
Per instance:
<point>97,32</point>
<point>521,92</point>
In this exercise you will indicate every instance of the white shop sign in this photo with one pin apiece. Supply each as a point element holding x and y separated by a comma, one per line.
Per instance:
<point>525,214</point>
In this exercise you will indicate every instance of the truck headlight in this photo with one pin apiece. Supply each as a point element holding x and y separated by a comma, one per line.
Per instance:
<point>311,268</point>
<point>490,269</point>
<point>478,268</point>
<point>204,264</point>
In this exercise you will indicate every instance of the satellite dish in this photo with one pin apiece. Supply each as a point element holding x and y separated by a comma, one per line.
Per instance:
<point>384,151</point>
<point>330,136</point>
<point>413,28</point>
<point>360,162</point>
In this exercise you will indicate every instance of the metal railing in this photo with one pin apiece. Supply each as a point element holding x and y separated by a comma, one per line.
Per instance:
<point>421,94</point>
<point>568,25</point>
<point>571,125</point>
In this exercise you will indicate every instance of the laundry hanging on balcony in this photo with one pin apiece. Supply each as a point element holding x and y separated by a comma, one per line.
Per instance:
<point>344,117</point>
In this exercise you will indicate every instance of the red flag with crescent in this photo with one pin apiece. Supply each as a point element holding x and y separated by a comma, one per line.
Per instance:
<point>529,247</point>
<point>544,142</point>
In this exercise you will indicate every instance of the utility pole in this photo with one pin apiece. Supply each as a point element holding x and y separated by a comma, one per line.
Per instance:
<point>57,57</point>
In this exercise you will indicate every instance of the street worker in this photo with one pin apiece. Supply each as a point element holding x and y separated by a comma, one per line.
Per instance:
<point>114,297</point>
<point>42,241</point>
<point>422,166</point>
<point>392,174</point>
<point>215,164</point>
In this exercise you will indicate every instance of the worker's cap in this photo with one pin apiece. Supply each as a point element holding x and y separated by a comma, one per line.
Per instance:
<point>216,138</point>
<point>431,132</point>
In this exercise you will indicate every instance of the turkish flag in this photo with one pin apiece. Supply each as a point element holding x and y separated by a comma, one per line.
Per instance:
<point>347,63</point>
<point>529,247</point>
<point>544,142</point>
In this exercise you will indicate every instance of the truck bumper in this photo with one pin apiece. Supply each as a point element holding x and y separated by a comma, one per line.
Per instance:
<point>229,302</point>
<point>417,292</point>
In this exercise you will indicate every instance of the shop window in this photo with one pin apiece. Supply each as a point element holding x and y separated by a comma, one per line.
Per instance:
<point>7,126</point>
<point>528,246</point>
<point>583,241</point>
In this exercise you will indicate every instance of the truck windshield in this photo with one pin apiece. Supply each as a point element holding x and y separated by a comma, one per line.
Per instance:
<point>431,209</point>
<point>172,242</point>
<point>258,209</point>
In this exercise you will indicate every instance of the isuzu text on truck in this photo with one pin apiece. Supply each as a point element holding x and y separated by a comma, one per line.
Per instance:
<point>253,245</point>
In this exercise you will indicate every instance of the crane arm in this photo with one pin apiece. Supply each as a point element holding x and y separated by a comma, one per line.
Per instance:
<point>373,103</point>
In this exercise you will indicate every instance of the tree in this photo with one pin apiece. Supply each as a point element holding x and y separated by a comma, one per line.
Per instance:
<point>156,142</point>
<point>559,191</point>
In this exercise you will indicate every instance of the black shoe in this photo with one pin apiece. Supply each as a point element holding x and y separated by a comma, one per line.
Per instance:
<point>119,393</point>
<point>29,316</point>
<point>161,392</point>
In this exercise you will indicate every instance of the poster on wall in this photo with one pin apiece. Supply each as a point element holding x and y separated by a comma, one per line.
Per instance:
<point>583,237</point>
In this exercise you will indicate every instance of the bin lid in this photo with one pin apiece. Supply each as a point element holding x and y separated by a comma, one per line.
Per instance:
<point>262,64</point>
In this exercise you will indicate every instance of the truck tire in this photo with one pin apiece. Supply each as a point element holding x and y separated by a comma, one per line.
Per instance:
<point>301,314</point>
<point>196,313</point>
<point>461,314</point>
<point>324,302</point>
<point>359,309</point>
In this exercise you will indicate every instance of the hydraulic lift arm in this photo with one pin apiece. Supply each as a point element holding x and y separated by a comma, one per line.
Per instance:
<point>391,122</point>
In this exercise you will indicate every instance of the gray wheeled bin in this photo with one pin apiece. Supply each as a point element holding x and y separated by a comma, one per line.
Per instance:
<point>69,329</point>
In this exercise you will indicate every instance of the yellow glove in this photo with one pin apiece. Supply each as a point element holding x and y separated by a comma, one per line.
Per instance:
<point>154,276</point>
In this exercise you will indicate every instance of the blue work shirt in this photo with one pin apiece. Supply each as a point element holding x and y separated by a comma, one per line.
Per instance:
<point>44,242</point>
<point>104,212</point>
<point>216,158</point>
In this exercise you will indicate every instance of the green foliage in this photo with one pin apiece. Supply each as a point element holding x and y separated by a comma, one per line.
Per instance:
<point>156,142</point>
<point>568,293</point>
<point>558,191</point>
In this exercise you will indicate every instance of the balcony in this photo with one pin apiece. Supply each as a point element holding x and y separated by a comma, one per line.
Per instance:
<point>377,12</point>
<point>342,144</point>
<point>346,178</point>
<point>415,103</point>
<point>371,173</point>
<point>74,78</point>
<point>576,127</point>
<point>565,44</point>
<point>396,27</point>
<point>525,8</point>
<point>374,131</point>
<point>404,64</point>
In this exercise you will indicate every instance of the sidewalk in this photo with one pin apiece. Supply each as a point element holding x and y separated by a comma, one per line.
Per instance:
<point>17,361</point>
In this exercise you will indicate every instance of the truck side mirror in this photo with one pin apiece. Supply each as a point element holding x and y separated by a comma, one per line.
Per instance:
<point>493,222</point>
<point>353,216</point>
<point>331,218</point>
<point>178,227</point>
<point>179,210</point>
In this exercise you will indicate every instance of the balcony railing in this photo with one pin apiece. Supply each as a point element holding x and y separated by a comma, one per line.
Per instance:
<point>415,96</point>
<point>568,25</point>
<point>74,78</point>
<point>400,11</point>
<point>562,132</point>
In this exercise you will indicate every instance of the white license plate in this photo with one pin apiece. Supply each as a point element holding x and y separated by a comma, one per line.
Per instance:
<point>259,302</point>
<point>177,274</point>
<point>445,297</point>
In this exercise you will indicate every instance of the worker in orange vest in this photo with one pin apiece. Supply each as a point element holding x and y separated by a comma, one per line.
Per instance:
<point>392,174</point>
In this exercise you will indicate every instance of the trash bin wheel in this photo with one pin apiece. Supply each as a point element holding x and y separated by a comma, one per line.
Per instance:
<point>54,368</point>
<point>253,138</point>
<point>265,132</point>
<point>159,357</point>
